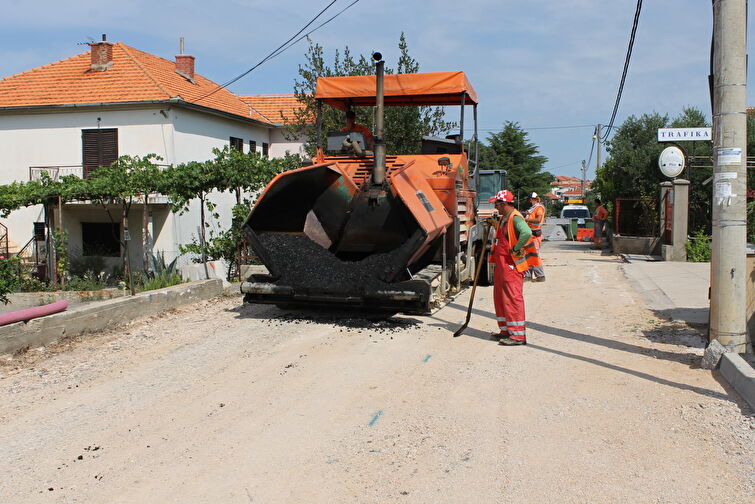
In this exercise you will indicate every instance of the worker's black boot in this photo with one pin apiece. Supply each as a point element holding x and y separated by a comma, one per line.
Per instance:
<point>512,342</point>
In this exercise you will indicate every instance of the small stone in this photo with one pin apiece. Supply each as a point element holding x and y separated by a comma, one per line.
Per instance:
<point>712,355</point>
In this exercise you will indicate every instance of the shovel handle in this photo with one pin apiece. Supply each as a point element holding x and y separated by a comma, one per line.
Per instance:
<point>476,278</point>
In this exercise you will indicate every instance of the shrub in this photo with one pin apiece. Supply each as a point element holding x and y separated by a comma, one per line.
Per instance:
<point>159,281</point>
<point>89,281</point>
<point>698,249</point>
<point>10,277</point>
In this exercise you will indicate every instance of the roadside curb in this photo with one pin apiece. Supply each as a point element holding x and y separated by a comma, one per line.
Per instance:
<point>740,375</point>
<point>103,314</point>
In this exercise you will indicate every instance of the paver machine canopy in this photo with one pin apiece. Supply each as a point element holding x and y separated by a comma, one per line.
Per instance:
<point>363,228</point>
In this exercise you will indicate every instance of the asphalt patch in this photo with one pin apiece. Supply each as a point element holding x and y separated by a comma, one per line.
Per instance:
<point>370,322</point>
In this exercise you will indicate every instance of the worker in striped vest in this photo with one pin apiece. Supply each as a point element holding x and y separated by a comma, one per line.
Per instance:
<point>513,253</point>
<point>535,218</point>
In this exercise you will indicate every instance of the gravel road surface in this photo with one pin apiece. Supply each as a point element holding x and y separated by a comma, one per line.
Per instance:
<point>219,402</point>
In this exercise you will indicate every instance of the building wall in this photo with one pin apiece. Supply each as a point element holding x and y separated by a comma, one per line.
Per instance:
<point>280,145</point>
<point>54,139</point>
<point>176,134</point>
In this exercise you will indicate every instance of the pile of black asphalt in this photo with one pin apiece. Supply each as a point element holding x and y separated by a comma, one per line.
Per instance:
<point>303,263</point>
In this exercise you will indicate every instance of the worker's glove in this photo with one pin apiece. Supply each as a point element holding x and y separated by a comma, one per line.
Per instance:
<point>491,221</point>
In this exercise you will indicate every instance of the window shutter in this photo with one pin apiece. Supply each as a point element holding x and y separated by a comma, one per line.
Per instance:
<point>99,148</point>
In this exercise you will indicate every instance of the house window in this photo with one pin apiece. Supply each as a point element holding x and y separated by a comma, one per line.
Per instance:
<point>237,144</point>
<point>100,239</point>
<point>99,148</point>
<point>265,149</point>
<point>252,146</point>
<point>39,231</point>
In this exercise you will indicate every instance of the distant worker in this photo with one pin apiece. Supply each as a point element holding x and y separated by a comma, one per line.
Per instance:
<point>535,218</point>
<point>352,125</point>
<point>513,253</point>
<point>599,222</point>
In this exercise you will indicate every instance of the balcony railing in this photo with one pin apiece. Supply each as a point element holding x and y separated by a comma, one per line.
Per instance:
<point>83,171</point>
<point>56,172</point>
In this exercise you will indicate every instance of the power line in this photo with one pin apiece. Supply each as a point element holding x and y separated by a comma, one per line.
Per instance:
<point>626,69</point>
<point>312,30</point>
<point>562,166</point>
<point>592,147</point>
<point>537,128</point>
<point>284,46</point>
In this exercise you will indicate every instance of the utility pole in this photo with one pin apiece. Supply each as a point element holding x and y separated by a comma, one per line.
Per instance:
<point>598,134</point>
<point>728,274</point>
<point>584,175</point>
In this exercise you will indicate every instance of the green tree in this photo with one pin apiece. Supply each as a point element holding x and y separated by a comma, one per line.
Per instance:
<point>404,126</point>
<point>10,279</point>
<point>243,174</point>
<point>631,170</point>
<point>187,181</point>
<point>511,150</point>
<point>118,185</point>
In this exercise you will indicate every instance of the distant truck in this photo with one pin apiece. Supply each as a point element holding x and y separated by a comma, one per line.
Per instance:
<point>575,212</point>
<point>488,183</point>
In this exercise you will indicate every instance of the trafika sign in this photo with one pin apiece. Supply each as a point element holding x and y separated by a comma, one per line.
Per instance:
<point>683,134</point>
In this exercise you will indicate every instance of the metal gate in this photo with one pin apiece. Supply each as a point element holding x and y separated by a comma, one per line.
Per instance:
<point>668,218</point>
<point>636,216</point>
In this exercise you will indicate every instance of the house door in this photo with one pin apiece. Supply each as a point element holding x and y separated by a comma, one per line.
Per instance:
<point>99,148</point>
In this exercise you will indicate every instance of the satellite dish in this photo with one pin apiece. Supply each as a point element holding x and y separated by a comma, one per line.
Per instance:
<point>671,161</point>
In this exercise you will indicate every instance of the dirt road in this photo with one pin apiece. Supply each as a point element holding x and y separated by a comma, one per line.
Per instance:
<point>219,402</point>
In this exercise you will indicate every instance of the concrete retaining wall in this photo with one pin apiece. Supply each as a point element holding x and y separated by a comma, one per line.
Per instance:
<point>100,315</point>
<point>636,245</point>
<point>21,300</point>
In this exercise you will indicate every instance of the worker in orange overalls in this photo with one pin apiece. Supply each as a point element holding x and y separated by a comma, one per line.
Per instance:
<point>352,125</point>
<point>535,218</point>
<point>513,253</point>
<point>599,221</point>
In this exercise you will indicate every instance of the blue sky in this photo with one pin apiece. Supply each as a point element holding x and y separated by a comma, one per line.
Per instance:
<point>542,63</point>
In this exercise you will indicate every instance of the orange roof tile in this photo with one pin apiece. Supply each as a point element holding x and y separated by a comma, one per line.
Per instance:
<point>134,76</point>
<point>276,108</point>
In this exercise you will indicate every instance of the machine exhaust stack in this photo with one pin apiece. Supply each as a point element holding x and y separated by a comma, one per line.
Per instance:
<point>378,172</point>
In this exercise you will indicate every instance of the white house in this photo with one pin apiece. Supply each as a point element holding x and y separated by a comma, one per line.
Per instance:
<point>70,116</point>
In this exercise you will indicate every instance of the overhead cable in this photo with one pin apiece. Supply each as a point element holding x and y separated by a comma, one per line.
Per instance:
<point>626,69</point>
<point>537,128</point>
<point>284,46</point>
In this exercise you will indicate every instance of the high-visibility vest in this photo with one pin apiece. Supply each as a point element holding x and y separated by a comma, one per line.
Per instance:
<point>538,210</point>
<point>528,256</point>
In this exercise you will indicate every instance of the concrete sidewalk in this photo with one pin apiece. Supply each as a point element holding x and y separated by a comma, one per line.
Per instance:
<point>679,291</point>
<point>675,290</point>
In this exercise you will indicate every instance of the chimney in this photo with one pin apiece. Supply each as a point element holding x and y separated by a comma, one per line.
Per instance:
<point>102,54</point>
<point>185,63</point>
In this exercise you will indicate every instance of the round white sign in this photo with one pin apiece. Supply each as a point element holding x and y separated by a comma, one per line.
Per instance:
<point>671,161</point>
